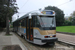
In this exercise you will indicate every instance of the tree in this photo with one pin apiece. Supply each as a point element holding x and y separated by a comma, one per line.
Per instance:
<point>7,10</point>
<point>73,21</point>
<point>72,18</point>
<point>59,15</point>
<point>67,23</point>
<point>73,14</point>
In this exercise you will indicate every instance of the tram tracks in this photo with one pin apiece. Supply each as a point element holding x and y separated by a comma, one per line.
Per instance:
<point>31,46</point>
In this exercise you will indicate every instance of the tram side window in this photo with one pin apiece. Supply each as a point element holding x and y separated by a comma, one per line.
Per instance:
<point>22,22</point>
<point>25,22</point>
<point>15,24</point>
<point>37,24</point>
<point>18,23</point>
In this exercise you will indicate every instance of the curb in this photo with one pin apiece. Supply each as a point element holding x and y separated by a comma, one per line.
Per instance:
<point>66,44</point>
<point>66,33</point>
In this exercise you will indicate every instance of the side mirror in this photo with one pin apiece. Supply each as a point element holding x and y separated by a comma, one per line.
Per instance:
<point>30,16</point>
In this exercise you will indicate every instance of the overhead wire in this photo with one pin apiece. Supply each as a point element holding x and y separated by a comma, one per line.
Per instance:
<point>22,7</point>
<point>28,0</point>
<point>57,5</point>
<point>24,4</point>
<point>65,3</point>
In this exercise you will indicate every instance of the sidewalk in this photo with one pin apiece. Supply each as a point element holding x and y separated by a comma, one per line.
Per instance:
<point>10,40</point>
<point>69,39</point>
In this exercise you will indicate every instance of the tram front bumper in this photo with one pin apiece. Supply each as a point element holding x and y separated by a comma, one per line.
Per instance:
<point>49,40</point>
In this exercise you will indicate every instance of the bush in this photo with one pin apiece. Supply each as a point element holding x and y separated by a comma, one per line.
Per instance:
<point>67,23</point>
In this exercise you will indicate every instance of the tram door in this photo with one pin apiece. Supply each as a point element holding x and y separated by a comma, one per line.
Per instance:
<point>29,29</point>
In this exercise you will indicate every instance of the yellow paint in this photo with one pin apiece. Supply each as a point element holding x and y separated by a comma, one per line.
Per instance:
<point>46,32</point>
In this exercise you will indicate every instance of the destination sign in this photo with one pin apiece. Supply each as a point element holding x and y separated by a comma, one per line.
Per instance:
<point>48,12</point>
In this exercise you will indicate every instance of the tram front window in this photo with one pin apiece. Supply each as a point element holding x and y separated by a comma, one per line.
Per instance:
<point>47,21</point>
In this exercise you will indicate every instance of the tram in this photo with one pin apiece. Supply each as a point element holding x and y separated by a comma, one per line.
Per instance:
<point>38,27</point>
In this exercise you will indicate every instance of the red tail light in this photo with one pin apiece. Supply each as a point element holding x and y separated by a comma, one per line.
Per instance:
<point>54,36</point>
<point>46,36</point>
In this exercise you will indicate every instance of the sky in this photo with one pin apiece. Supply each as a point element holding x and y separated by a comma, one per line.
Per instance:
<point>25,6</point>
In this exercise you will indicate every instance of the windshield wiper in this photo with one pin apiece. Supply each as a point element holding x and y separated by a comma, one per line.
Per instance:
<point>51,24</point>
<point>40,20</point>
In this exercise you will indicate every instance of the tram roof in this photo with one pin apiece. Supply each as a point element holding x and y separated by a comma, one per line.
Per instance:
<point>36,13</point>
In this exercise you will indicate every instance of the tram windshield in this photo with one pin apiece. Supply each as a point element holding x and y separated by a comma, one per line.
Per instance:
<point>47,21</point>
